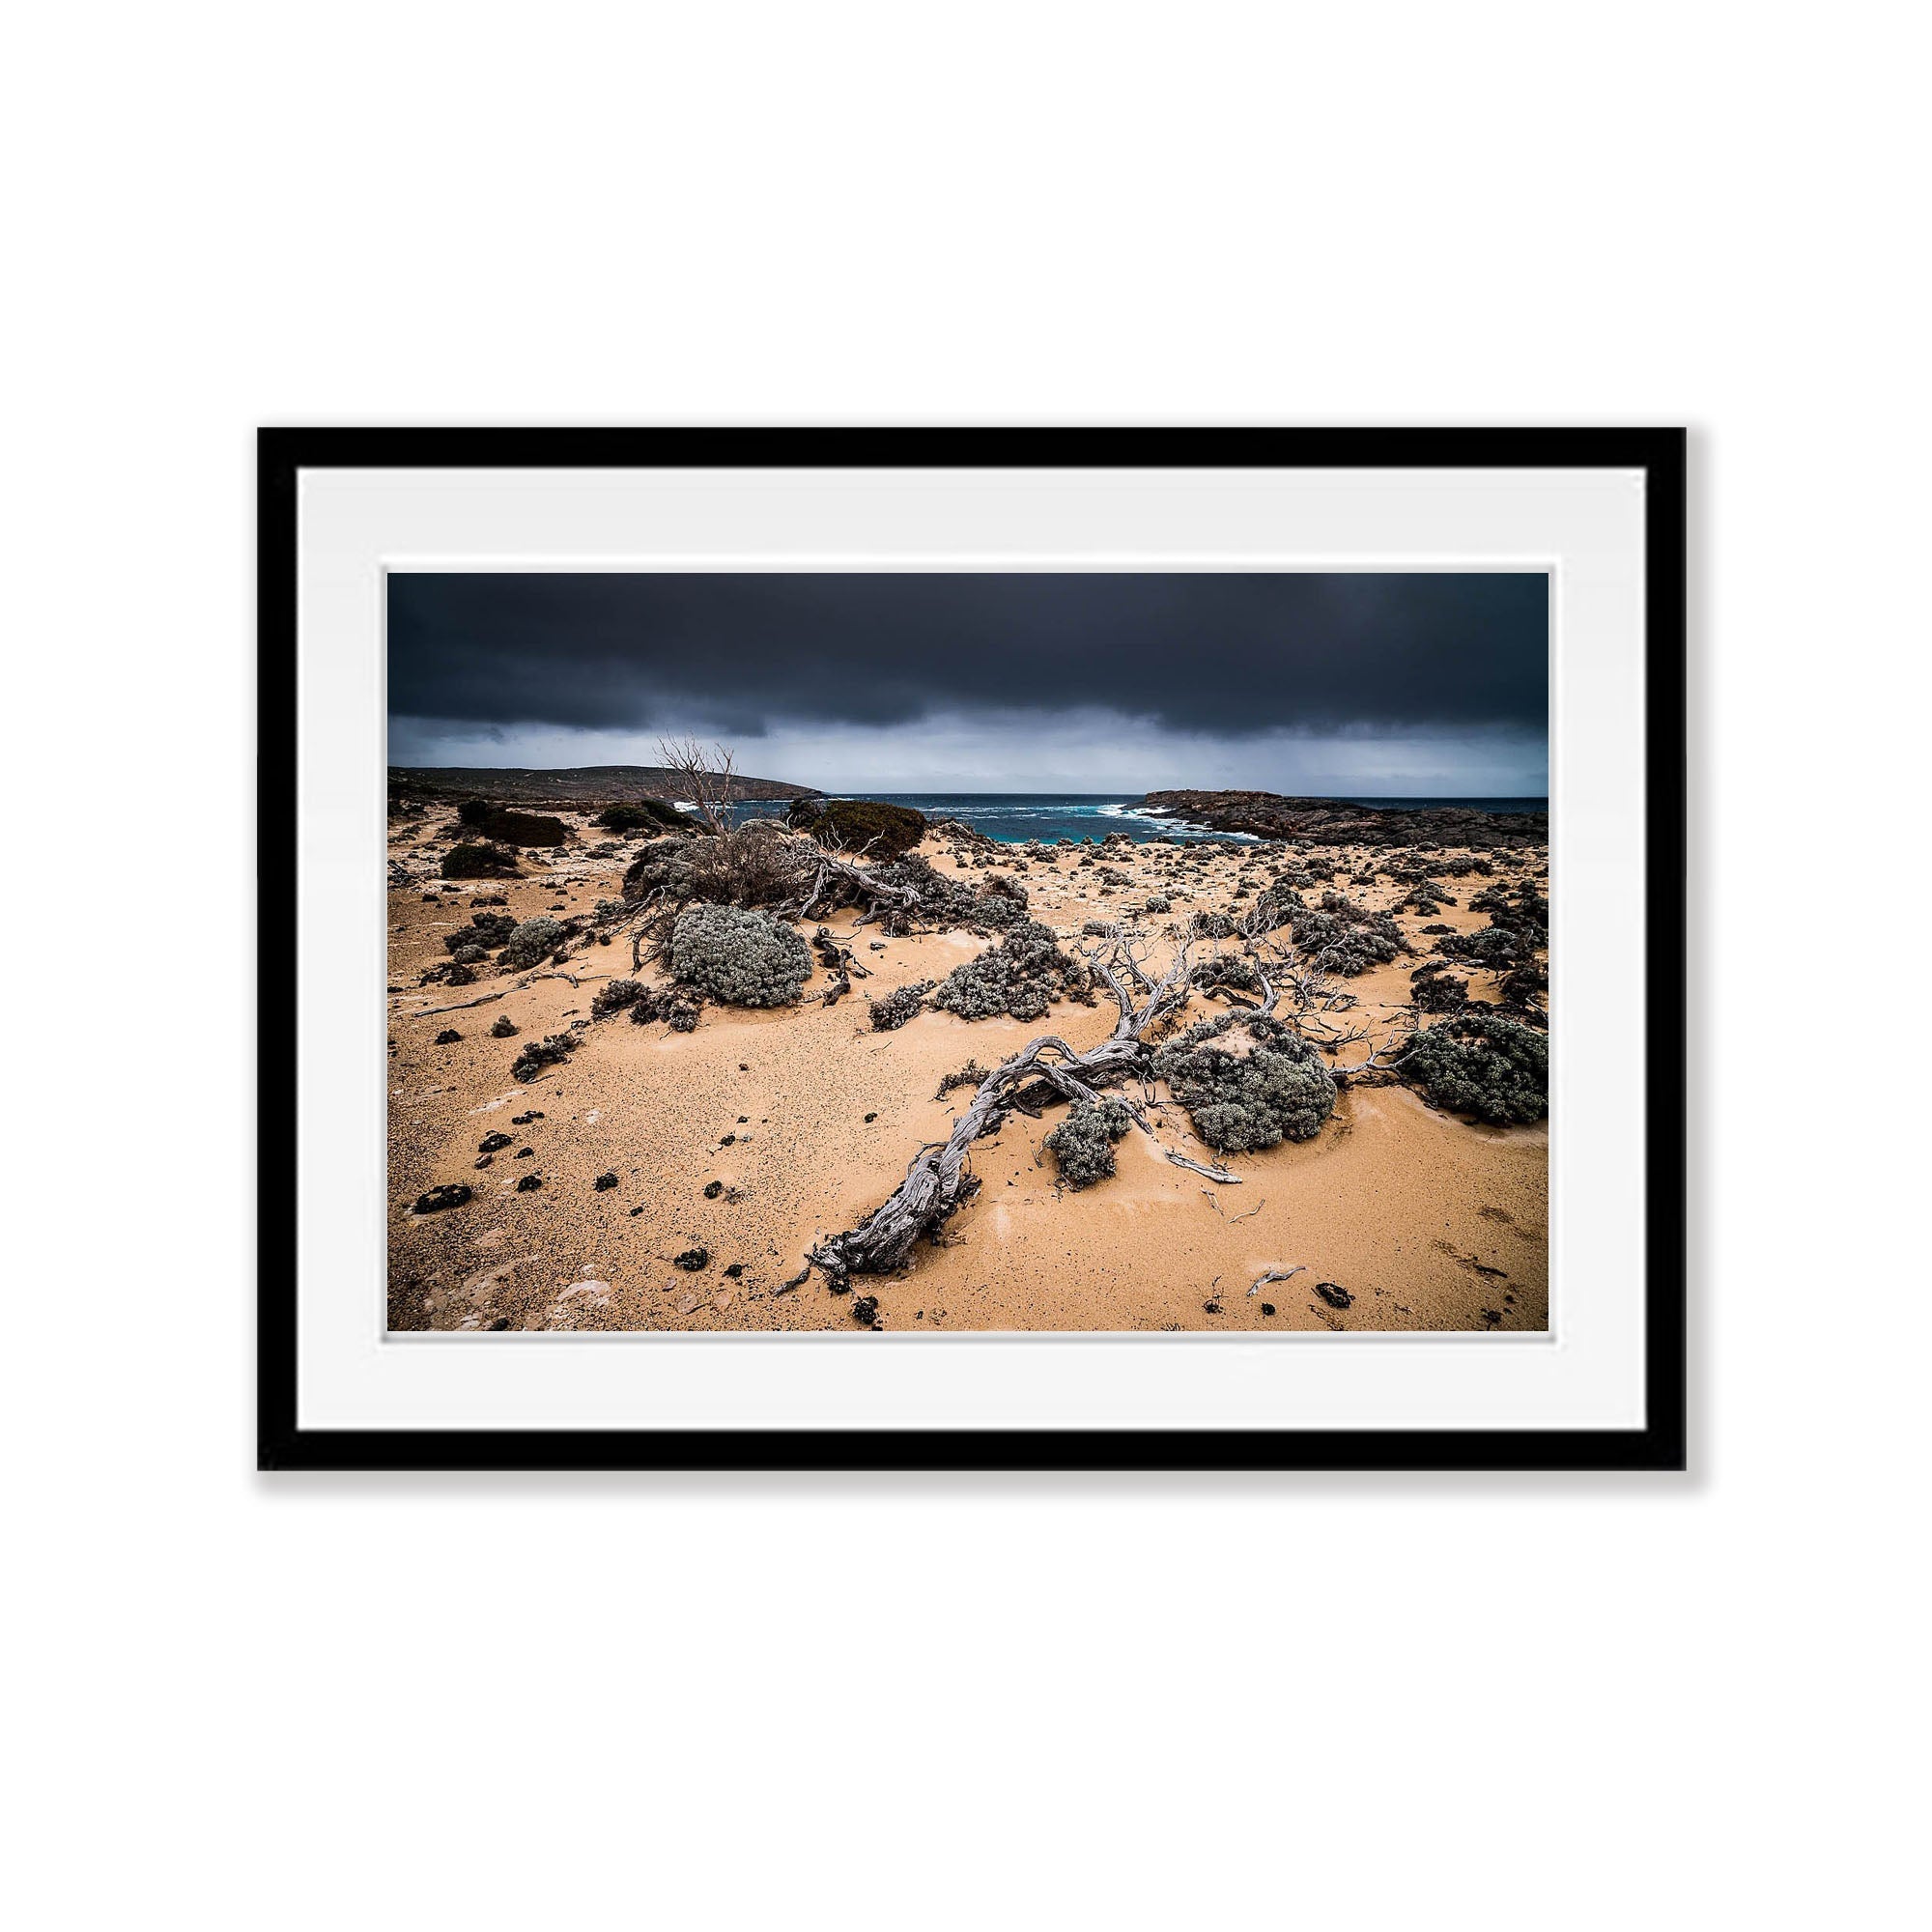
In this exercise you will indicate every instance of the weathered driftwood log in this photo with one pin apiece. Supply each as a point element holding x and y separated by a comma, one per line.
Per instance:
<point>937,1180</point>
<point>855,886</point>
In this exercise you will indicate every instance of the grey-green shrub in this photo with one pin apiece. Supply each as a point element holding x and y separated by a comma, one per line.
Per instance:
<point>542,1053</point>
<point>1343,937</point>
<point>1481,1064</point>
<point>1019,974</point>
<point>1083,1144</point>
<point>531,944</point>
<point>615,996</point>
<point>897,1007</point>
<point>1238,1102</point>
<point>740,956</point>
<point>1227,969</point>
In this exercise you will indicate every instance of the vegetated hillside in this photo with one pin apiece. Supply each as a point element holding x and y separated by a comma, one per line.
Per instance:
<point>1326,821</point>
<point>576,785</point>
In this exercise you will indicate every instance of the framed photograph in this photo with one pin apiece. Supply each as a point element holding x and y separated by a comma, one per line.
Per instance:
<point>1101,948</point>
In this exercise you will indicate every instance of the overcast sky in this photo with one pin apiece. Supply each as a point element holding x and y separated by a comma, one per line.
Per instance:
<point>1382,682</point>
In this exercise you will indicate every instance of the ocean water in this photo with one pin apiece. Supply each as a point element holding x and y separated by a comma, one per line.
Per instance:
<point>1013,817</point>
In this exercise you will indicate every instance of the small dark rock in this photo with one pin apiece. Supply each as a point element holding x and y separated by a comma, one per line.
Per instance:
<point>498,1326</point>
<point>1335,1294</point>
<point>865,1310</point>
<point>1211,1307</point>
<point>871,1118</point>
<point>491,1142</point>
<point>713,1189</point>
<point>449,1036</point>
<point>451,1194</point>
<point>523,1153</point>
<point>691,1259</point>
<point>505,1028</point>
<point>485,1160</point>
<point>735,1270</point>
<point>530,1183</point>
<point>605,1182</point>
<point>1267,1308</point>
<point>727,1140</point>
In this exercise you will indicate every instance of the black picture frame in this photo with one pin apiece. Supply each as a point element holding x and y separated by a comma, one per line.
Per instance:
<point>1660,1445</point>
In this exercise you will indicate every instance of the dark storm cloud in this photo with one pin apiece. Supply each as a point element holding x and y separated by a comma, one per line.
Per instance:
<point>1223,654</point>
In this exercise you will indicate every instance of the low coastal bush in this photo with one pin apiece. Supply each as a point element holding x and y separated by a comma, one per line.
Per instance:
<point>1083,1144</point>
<point>531,944</point>
<point>1238,1101</point>
<point>1343,937</point>
<point>1434,989</point>
<point>1481,1064</point>
<point>1020,975</point>
<point>478,860</point>
<point>1523,988</point>
<point>1492,946</point>
<point>1227,969</point>
<point>898,1007</point>
<point>676,1005</point>
<point>739,955</point>
<point>860,825</point>
<point>644,814</point>
<point>1519,908</point>
<point>485,929</point>
<point>542,1053</point>
<point>755,866</point>
<point>615,996</point>
<point>511,828</point>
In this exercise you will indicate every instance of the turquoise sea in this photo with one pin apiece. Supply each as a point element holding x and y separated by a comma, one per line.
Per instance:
<point>1013,817</point>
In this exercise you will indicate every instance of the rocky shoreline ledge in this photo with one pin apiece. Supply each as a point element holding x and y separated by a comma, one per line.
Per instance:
<point>1324,821</point>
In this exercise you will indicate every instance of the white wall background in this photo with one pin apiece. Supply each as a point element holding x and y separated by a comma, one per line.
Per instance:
<point>1522,1703</point>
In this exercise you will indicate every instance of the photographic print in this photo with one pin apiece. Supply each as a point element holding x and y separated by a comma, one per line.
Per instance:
<point>929,952</point>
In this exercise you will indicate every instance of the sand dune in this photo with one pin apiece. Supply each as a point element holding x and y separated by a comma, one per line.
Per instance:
<point>802,1119</point>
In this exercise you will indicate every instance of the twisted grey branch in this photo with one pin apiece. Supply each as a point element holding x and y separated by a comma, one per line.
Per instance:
<point>936,1179</point>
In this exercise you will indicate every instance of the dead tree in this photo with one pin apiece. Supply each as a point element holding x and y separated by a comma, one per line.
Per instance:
<point>709,783</point>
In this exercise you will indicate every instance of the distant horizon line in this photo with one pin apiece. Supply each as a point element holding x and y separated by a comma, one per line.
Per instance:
<point>967,792</point>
